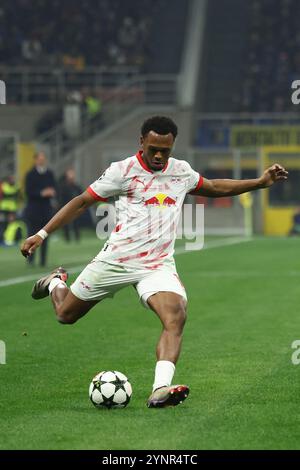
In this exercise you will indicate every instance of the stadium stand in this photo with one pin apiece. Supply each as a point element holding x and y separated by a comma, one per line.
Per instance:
<point>104,32</point>
<point>224,44</point>
<point>251,56</point>
<point>272,58</point>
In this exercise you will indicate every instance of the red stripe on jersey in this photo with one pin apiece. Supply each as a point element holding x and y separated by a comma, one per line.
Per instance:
<point>200,183</point>
<point>155,266</point>
<point>129,167</point>
<point>117,228</point>
<point>132,186</point>
<point>166,166</point>
<point>144,165</point>
<point>148,185</point>
<point>95,195</point>
<point>160,253</point>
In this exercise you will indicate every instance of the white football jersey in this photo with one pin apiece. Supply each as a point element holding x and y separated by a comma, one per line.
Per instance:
<point>148,209</point>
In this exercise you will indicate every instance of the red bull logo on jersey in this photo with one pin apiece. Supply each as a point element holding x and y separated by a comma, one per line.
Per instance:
<point>161,200</point>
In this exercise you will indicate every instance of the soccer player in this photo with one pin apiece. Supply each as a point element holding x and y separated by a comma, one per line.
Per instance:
<point>151,186</point>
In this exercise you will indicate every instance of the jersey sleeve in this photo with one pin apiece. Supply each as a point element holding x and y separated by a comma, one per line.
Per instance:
<point>108,184</point>
<point>195,180</point>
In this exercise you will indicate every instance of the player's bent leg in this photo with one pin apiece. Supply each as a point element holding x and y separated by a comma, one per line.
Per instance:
<point>67,306</point>
<point>171,310</point>
<point>41,287</point>
<point>71,308</point>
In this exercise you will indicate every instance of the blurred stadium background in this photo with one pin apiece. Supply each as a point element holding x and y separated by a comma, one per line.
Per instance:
<point>80,78</point>
<point>80,86</point>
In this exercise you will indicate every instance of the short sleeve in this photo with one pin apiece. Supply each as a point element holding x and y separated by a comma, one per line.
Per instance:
<point>108,184</point>
<point>195,180</point>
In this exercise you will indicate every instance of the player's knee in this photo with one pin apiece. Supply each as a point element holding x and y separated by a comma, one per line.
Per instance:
<point>66,317</point>
<point>175,321</point>
<point>66,320</point>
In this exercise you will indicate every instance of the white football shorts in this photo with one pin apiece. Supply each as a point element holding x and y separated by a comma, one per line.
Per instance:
<point>100,280</point>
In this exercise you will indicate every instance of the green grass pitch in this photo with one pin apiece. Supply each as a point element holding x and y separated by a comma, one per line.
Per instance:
<point>243,316</point>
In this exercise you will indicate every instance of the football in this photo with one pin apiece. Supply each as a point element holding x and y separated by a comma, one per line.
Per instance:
<point>110,389</point>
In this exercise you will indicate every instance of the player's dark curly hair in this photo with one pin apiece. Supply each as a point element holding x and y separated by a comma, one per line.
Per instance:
<point>161,125</point>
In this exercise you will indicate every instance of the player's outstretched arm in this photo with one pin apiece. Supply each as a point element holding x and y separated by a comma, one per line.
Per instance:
<point>227,187</point>
<point>65,215</point>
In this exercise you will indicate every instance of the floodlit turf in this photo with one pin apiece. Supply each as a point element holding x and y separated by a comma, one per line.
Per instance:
<point>243,316</point>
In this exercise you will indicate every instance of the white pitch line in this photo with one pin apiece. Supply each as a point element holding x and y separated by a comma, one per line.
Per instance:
<point>247,274</point>
<point>215,244</point>
<point>76,269</point>
<point>34,277</point>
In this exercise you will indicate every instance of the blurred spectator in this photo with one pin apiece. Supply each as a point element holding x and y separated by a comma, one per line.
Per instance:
<point>9,203</point>
<point>31,50</point>
<point>93,110</point>
<point>15,230</point>
<point>40,188</point>
<point>67,190</point>
<point>75,97</point>
<point>77,63</point>
<point>93,105</point>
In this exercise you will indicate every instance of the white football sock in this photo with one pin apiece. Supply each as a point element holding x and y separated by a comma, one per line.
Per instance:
<point>164,372</point>
<point>55,281</point>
